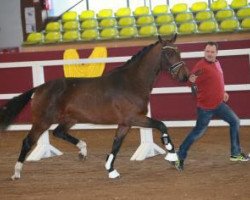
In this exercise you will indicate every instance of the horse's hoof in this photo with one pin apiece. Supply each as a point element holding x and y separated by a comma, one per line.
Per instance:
<point>114,174</point>
<point>82,157</point>
<point>15,177</point>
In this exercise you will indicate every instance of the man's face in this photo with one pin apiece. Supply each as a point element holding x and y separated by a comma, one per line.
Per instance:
<point>210,53</point>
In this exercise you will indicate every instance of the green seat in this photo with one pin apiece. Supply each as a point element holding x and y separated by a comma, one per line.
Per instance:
<point>141,10</point>
<point>53,26</point>
<point>237,4</point>
<point>128,32</point>
<point>144,20</point>
<point>167,29</point>
<point>187,28</point>
<point>35,38</point>
<point>164,19</point>
<point>107,22</point>
<point>53,37</point>
<point>245,23</point>
<point>87,14</point>
<point>109,33</point>
<point>69,36</point>
<point>126,21</point>
<point>71,25</point>
<point>147,31</point>
<point>123,12</point>
<point>184,17</point>
<point>89,24</point>
<point>209,26</point>
<point>218,5</point>
<point>229,25</point>
<point>198,6</point>
<point>179,8</point>
<point>243,13</point>
<point>90,34</point>
<point>69,16</point>
<point>204,15</point>
<point>160,10</point>
<point>224,14</point>
<point>104,13</point>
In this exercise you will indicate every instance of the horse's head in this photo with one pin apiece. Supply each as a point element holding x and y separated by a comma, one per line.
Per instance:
<point>171,59</point>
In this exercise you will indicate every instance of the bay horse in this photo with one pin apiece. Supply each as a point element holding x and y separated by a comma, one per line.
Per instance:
<point>120,97</point>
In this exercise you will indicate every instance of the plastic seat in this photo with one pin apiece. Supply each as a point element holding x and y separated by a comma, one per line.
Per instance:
<point>167,29</point>
<point>243,13</point>
<point>160,10</point>
<point>69,16</point>
<point>179,8</point>
<point>218,5</point>
<point>53,37</point>
<point>126,21</point>
<point>229,25</point>
<point>144,20</point>
<point>204,15</point>
<point>184,17</point>
<point>198,6</point>
<point>104,13</point>
<point>123,12</point>
<point>109,33</point>
<point>209,26</point>
<point>128,32</point>
<point>71,25</point>
<point>86,14</point>
<point>164,19</point>
<point>35,38</point>
<point>90,34</point>
<point>187,28</point>
<point>147,31</point>
<point>107,22</point>
<point>224,14</point>
<point>245,24</point>
<point>89,24</point>
<point>237,4</point>
<point>141,10</point>
<point>69,36</point>
<point>53,26</point>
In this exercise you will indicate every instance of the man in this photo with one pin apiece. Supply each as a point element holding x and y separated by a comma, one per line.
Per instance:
<point>207,79</point>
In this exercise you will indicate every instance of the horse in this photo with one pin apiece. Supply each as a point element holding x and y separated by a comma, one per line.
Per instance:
<point>120,97</point>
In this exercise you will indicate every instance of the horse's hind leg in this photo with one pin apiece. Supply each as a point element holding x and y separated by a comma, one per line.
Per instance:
<point>61,132</point>
<point>119,137</point>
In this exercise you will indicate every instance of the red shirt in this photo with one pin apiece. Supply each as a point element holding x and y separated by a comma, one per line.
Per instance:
<point>210,84</point>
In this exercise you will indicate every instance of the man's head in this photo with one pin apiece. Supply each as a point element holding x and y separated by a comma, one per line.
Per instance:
<point>211,51</point>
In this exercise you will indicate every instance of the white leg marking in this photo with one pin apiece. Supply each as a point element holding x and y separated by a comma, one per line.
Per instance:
<point>83,148</point>
<point>18,169</point>
<point>171,157</point>
<point>169,146</point>
<point>114,174</point>
<point>109,161</point>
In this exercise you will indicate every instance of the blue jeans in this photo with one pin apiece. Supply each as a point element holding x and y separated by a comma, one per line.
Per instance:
<point>222,111</point>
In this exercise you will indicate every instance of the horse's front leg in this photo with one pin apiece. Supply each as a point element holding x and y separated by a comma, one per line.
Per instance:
<point>119,137</point>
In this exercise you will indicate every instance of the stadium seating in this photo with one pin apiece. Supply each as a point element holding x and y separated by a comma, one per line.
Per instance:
<point>199,6</point>
<point>144,20</point>
<point>164,19</point>
<point>53,37</point>
<point>35,38</point>
<point>147,31</point>
<point>179,8</point>
<point>237,4</point>
<point>208,26</point>
<point>184,17</point>
<point>89,34</point>
<point>89,24</point>
<point>107,22</point>
<point>141,11</point>
<point>243,13</point>
<point>70,25</point>
<point>204,15</point>
<point>87,14</point>
<point>108,33</point>
<point>69,16</point>
<point>167,29</point>
<point>70,36</point>
<point>245,23</point>
<point>126,21</point>
<point>104,13</point>
<point>229,25</point>
<point>187,28</point>
<point>218,5</point>
<point>53,26</point>
<point>123,12</point>
<point>160,10</point>
<point>224,14</point>
<point>128,32</point>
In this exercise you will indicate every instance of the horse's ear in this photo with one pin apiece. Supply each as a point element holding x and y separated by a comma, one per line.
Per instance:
<point>159,38</point>
<point>173,39</point>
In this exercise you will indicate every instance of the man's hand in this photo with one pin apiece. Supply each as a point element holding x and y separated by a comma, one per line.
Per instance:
<point>226,97</point>
<point>192,78</point>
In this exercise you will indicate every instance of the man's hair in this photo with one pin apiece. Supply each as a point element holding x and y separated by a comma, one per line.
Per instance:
<point>210,43</point>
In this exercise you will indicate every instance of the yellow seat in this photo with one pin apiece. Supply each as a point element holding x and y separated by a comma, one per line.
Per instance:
<point>89,24</point>
<point>160,10</point>
<point>71,25</point>
<point>53,26</point>
<point>107,22</point>
<point>179,8</point>
<point>199,6</point>
<point>218,5</point>
<point>243,13</point>
<point>104,13</point>
<point>184,17</point>
<point>69,16</point>
<point>90,34</point>
<point>237,4</point>
<point>141,10</point>
<point>224,14</point>
<point>128,32</point>
<point>204,15</point>
<point>126,21</point>
<point>164,19</point>
<point>109,33</point>
<point>208,26</point>
<point>229,25</point>
<point>187,28</point>
<point>53,37</point>
<point>167,29</point>
<point>69,36</point>
<point>147,31</point>
<point>123,12</point>
<point>144,20</point>
<point>35,38</point>
<point>245,24</point>
<point>87,14</point>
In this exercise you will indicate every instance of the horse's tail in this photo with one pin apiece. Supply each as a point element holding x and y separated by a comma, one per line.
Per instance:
<point>12,108</point>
